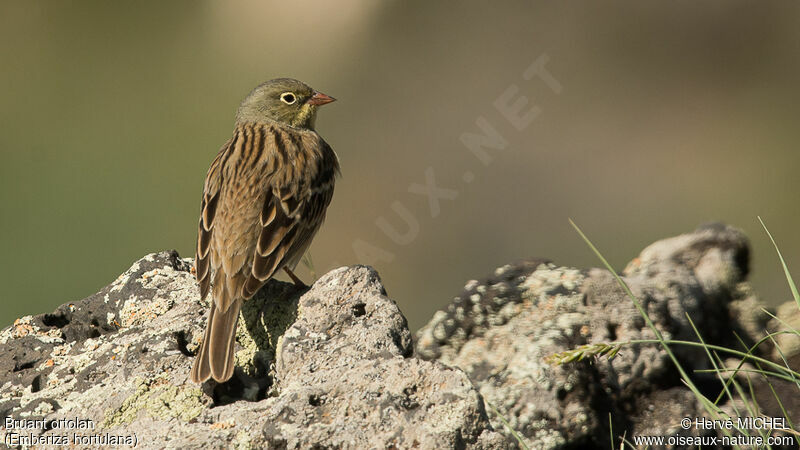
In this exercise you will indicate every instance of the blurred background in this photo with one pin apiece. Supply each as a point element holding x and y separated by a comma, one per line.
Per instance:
<point>669,115</point>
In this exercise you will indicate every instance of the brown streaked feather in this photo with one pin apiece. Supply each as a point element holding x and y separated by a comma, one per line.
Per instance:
<point>279,147</point>
<point>291,204</point>
<point>201,369</point>
<point>208,208</point>
<point>222,338</point>
<point>264,199</point>
<point>264,266</point>
<point>203,240</point>
<point>273,234</point>
<point>288,233</point>
<point>201,268</point>
<point>243,150</point>
<point>251,286</point>
<point>215,356</point>
<point>268,212</point>
<point>258,147</point>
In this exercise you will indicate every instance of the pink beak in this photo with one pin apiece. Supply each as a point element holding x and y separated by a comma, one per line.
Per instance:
<point>320,99</point>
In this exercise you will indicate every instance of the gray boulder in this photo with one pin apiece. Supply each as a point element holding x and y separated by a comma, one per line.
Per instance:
<point>334,366</point>
<point>503,330</point>
<point>330,367</point>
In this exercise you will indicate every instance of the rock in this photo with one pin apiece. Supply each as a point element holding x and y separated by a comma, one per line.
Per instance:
<point>503,330</point>
<point>334,366</point>
<point>330,367</point>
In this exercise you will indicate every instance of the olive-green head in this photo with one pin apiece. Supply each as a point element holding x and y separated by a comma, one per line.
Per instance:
<point>283,100</point>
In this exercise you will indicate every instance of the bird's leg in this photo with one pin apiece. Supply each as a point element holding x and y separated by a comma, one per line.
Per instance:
<point>297,281</point>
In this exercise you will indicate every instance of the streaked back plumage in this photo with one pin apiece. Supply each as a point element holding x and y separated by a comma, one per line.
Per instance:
<point>264,199</point>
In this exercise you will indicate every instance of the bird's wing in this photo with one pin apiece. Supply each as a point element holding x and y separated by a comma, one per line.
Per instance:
<point>290,217</point>
<point>208,208</point>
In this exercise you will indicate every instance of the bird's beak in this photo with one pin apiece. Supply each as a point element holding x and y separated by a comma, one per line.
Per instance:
<point>320,99</point>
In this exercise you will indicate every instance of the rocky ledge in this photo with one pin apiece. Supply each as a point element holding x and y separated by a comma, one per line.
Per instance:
<point>334,366</point>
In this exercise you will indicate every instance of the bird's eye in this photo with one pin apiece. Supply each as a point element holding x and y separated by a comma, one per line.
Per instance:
<point>288,98</point>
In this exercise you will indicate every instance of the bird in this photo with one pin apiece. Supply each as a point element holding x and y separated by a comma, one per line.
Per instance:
<point>265,196</point>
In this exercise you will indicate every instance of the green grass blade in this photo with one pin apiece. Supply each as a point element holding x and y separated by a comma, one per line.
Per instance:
<point>513,432</point>
<point>713,363</point>
<point>792,286</point>
<point>708,405</point>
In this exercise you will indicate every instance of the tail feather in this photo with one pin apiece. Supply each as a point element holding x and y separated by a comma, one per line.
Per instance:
<point>222,332</point>
<point>201,370</point>
<point>215,357</point>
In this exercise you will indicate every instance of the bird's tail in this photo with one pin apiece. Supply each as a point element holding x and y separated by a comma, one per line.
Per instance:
<point>215,357</point>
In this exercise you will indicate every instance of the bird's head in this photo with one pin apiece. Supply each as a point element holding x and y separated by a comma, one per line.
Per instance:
<point>283,100</point>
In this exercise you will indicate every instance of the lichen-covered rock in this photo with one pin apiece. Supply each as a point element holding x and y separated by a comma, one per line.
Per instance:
<point>110,356</point>
<point>330,367</point>
<point>502,329</point>
<point>333,366</point>
<point>345,378</point>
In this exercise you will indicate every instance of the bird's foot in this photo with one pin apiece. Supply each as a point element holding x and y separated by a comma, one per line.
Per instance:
<point>297,281</point>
